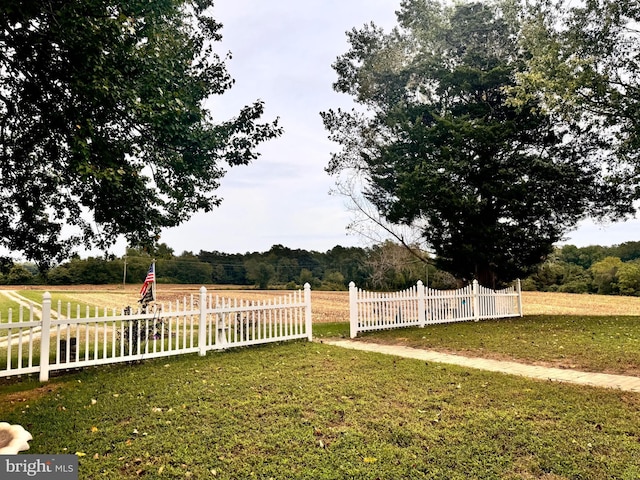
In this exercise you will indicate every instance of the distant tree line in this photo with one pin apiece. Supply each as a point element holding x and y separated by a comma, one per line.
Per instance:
<point>383,267</point>
<point>605,270</point>
<point>388,266</point>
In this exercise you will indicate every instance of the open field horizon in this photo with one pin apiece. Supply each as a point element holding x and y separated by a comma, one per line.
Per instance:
<point>332,306</point>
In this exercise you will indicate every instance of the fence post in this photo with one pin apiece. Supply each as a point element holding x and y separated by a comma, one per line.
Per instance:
<point>307,311</point>
<point>202,324</point>
<point>422,304</point>
<point>519,290</point>
<point>476,300</point>
<point>45,339</point>
<point>353,310</point>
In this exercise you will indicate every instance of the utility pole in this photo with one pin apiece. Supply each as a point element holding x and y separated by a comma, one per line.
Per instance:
<point>124,277</point>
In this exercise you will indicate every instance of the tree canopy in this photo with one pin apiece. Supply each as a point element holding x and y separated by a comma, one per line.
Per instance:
<point>103,127</point>
<point>585,65</point>
<point>440,145</point>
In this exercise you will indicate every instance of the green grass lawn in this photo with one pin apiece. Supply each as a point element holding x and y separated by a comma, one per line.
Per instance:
<point>599,344</point>
<point>313,411</point>
<point>65,301</point>
<point>5,306</point>
<point>36,297</point>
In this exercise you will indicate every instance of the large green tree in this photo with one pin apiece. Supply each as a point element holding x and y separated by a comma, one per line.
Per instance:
<point>491,185</point>
<point>585,66</point>
<point>103,127</point>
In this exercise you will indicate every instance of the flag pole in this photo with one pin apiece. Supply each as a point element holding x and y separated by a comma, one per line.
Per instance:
<point>154,280</point>
<point>147,292</point>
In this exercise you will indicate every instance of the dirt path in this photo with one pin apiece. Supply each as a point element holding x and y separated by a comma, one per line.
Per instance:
<point>22,301</point>
<point>26,303</point>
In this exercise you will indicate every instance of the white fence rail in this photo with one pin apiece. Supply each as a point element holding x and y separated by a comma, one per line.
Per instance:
<point>61,340</point>
<point>420,306</point>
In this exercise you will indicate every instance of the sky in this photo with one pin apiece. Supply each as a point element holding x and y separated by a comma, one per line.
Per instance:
<point>282,52</point>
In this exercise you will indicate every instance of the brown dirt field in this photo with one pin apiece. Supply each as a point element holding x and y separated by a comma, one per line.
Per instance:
<point>543,303</point>
<point>334,306</point>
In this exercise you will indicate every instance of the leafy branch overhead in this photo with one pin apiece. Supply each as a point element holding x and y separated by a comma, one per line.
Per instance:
<point>441,141</point>
<point>584,64</point>
<point>103,127</point>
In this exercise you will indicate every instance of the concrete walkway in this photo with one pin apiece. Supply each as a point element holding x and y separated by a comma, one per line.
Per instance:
<point>620,382</point>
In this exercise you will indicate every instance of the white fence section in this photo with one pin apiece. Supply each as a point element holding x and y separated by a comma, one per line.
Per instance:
<point>63,339</point>
<point>420,306</point>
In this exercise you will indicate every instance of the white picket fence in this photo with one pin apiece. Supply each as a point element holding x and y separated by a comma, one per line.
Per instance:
<point>420,306</point>
<point>61,339</point>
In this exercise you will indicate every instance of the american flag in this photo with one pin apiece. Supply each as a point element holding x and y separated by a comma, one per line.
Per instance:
<point>147,286</point>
